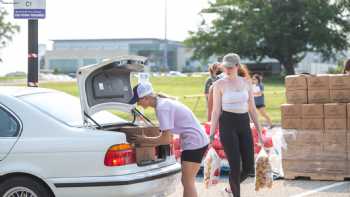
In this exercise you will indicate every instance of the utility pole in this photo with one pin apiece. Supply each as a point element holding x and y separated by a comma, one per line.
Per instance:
<point>165,63</point>
<point>33,66</point>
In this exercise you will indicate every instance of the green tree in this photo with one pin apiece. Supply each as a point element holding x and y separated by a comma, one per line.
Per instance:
<point>7,29</point>
<point>282,29</point>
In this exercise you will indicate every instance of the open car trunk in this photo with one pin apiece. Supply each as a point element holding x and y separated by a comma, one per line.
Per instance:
<point>107,86</point>
<point>145,154</point>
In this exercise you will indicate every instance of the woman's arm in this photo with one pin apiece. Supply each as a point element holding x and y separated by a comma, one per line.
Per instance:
<point>216,109</point>
<point>210,103</point>
<point>163,139</point>
<point>253,112</point>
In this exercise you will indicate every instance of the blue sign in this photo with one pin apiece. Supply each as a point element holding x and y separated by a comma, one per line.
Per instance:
<point>30,13</point>
<point>29,9</point>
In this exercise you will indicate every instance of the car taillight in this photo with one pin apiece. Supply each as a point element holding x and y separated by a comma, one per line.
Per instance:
<point>119,155</point>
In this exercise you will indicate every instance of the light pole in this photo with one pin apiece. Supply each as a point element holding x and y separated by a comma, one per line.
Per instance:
<point>165,63</point>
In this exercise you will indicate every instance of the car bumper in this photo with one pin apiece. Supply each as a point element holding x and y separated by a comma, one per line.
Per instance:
<point>159,182</point>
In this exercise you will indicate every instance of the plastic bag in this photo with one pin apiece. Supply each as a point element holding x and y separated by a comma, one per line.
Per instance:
<point>263,171</point>
<point>212,164</point>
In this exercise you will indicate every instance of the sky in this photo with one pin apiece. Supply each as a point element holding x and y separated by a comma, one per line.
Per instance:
<point>94,19</point>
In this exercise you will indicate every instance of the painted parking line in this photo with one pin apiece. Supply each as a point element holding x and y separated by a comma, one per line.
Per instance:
<point>320,189</point>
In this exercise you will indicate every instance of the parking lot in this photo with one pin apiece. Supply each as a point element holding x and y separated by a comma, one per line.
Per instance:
<point>281,188</point>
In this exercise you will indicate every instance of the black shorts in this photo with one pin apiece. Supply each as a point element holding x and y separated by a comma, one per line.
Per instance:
<point>195,155</point>
<point>260,106</point>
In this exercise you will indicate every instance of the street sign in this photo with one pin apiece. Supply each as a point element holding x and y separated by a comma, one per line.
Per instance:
<point>29,9</point>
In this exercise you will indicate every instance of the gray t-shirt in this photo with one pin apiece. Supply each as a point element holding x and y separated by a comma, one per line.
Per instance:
<point>179,119</point>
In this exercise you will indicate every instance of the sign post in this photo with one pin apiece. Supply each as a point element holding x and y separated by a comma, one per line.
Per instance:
<point>31,10</point>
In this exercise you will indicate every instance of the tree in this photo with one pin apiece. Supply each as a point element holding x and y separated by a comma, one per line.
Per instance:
<point>281,29</point>
<point>7,29</point>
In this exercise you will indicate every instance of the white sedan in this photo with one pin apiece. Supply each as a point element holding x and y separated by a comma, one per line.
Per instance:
<point>48,148</point>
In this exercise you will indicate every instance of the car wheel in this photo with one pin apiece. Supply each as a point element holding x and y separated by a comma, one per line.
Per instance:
<point>22,186</point>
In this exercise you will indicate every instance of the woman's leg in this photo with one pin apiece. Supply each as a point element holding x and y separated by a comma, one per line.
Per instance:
<point>246,147</point>
<point>230,143</point>
<point>263,112</point>
<point>188,179</point>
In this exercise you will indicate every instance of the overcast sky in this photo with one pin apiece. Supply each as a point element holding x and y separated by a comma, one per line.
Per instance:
<point>88,19</point>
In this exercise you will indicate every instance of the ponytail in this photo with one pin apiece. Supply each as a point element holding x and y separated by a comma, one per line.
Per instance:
<point>243,72</point>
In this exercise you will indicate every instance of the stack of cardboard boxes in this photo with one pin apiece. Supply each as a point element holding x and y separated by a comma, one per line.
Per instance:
<point>316,123</point>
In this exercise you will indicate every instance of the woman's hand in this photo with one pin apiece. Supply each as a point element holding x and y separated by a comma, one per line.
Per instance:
<point>137,139</point>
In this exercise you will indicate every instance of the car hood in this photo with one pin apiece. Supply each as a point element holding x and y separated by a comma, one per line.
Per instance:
<point>107,85</point>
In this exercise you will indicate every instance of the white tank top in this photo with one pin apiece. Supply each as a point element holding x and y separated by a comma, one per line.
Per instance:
<point>235,101</point>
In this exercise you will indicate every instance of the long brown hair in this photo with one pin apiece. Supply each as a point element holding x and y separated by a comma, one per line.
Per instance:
<point>243,71</point>
<point>346,66</point>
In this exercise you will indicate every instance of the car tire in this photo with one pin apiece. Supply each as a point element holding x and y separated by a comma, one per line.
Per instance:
<point>18,186</point>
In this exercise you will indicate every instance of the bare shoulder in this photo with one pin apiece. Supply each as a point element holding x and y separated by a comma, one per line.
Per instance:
<point>218,82</point>
<point>246,81</point>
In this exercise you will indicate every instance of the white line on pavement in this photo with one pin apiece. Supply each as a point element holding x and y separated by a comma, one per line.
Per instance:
<point>320,189</point>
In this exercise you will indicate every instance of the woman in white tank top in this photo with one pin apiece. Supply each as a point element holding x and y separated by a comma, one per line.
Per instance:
<point>233,107</point>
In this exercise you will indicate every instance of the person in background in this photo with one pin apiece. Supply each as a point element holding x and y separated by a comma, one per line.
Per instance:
<point>214,71</point>
<point>347,67</point>
<point>175,118</point>
<point>259,98</point>
<point>233,107</point>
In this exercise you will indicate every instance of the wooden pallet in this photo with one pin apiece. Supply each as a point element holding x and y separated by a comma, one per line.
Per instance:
<point>315,176</point>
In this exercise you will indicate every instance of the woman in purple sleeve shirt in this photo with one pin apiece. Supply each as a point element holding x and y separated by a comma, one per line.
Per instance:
<point>175,118</point>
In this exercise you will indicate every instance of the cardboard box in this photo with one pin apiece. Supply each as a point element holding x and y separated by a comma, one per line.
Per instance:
<point>335,142</point>
<point>327,167</point>
<point>310,153</point>
<point>296,96</point>
<point>305,138</point>
<point>335,110</point>
<point>295,82</point>
<point>340,96</point>
<point>335,123</point>
<point>319,82</point>
<point>291,123</point>
<point>312,111</point>
<point>318,96</point>
<point>291,111</point>
<point>135,130</point>
<point>314,123</point>
<point>145,154</point>
<point>339,82</point>
<point>335,131</point>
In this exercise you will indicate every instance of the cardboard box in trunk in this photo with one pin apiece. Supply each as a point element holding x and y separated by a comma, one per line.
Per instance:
<point>335,110</point>
<point>314,111</point>
<point>335,123</point>
<point>291,111</point>
<point>340,96</point>
<point>145,154</point>
<point>140,130</point>
<point>318,96</point>
<point>295,82</point>
<point>289,123</point>
<point>296,96</point>
<point>314,123</point>
<point>318,82</point>
<point>327,167</point>
<point>339,82</point>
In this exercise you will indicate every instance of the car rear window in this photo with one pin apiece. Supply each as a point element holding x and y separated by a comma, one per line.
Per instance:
<point>66,108</point>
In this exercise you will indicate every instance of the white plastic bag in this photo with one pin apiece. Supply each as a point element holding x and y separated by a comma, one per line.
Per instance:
<point>212,164</point>
<point>263,171</point>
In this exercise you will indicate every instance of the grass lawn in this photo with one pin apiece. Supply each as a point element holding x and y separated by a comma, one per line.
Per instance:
<point>184,86</point>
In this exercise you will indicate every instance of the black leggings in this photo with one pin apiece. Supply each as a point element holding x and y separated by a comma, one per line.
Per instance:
<point>236,138</point>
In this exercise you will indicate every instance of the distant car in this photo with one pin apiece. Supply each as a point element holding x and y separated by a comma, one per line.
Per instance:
<point>176,73</point>
<point>53,145</point>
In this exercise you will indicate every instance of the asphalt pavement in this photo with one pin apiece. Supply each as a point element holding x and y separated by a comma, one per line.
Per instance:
<point>281,188</point>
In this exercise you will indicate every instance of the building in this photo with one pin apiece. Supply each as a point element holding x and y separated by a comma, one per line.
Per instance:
<point>67,55</point>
